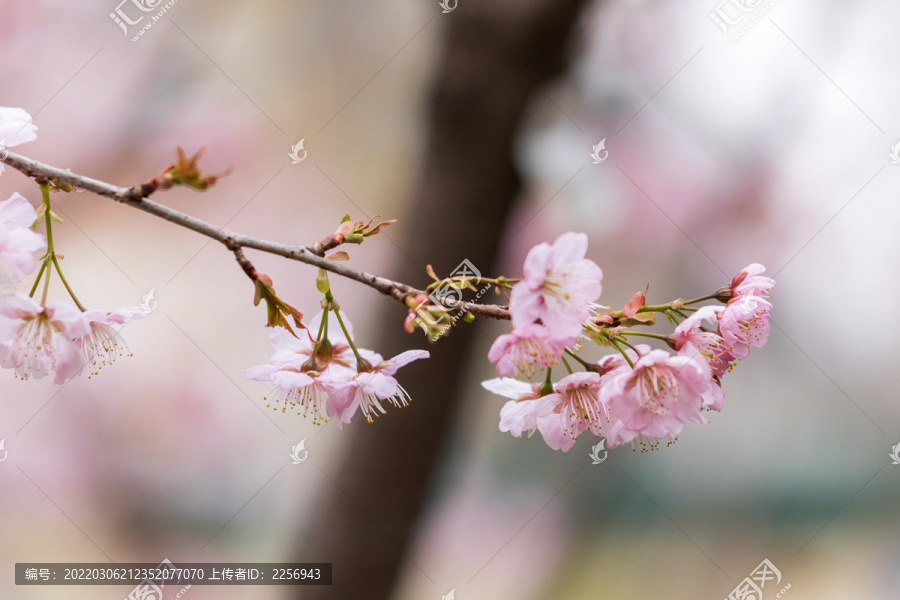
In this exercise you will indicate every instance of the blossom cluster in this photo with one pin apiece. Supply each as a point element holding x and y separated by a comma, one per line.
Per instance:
<point>640,395</point>
<point>50,336</point>
<point>327,375</point>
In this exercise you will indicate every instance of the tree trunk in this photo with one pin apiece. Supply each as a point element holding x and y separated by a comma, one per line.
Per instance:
<point>498,54</point>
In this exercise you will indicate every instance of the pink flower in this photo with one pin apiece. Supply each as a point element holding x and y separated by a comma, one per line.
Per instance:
<point>561,416</point>
<point>18,243</point>
<point>707,347</point>
<point>527,405</point>
<point>36,340</point>
<point>751,282</point>
<point>15,128</point>
<point>528,346</point>
<point>309,390</point>
<point>103,345</point>
<point>368,388</point>
<point>579,407</point>
<point>656,398</point>
<point>710,345</point>
<point>294,351</point>
<point>296,382</point>
<point>745,323</point>
<point>559,286</point>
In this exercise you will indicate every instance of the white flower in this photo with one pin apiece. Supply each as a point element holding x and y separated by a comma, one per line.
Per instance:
<point>18,243</point>
<point>15,128</point>
<point>36,340</point>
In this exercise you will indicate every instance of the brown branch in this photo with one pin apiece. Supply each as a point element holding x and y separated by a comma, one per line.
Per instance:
<point>137,197</point>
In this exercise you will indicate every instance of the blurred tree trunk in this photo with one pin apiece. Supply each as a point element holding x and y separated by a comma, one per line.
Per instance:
<point>498,54</point>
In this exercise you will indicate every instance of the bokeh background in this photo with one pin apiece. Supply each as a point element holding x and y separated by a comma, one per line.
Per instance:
<point>773,149</point>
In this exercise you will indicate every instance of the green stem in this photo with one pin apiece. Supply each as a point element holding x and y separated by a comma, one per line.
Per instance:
<point>66,284</point>
<point>322,327</point>
<point>546,388</point>
<point>645,334</point>
<point>702,299</point>
<point>566,363</point>
<point>51,252</point>
<point>583,362</point>
<point>615,343</point>
<point>656,307</point>
<point>340,321</point>
<point>46,288</point>
<point>38,279</point>
<point>624,341</point>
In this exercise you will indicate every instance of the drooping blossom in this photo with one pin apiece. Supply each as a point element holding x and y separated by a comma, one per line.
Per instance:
<point>745,323</point>
<point>103,345</point>
<point>15,128</point>
<point>653,400</point>
<point>307,392</point>
<point>36,340</point>
<point>301,382</point>
<point>333,349</point>
<point>369,387</point>
<point>521,413</point>
<point>573,407</point>
<point>579,407</point>
<point>692,341</point>
<point>559,286</point>
<point>525,348</point>
<point>18,243</point>
<point>711,345</point>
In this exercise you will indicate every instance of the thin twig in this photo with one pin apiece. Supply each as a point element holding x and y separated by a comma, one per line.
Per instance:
<point>137,197</point>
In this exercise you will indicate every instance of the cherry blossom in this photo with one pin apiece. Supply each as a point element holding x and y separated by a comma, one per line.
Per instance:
<point>18,243</point>
<point>15,128</point>
<point>750,282</point>
<point>559,286</point>
<point>526,405</point>
<point>745,323</point>
<point>103,345</point>
<point>579,408</point>
<point>690,338</point>
<point>654,399</point>
<point>36,340</point>
<point>573,407</point>
<point>307,390</point>
<point>369,387</point>
<point>294,351</point>
<point>297,380</point>
<point>528,346</point>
